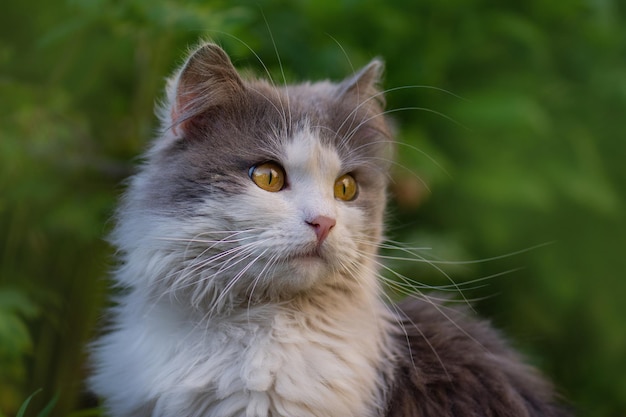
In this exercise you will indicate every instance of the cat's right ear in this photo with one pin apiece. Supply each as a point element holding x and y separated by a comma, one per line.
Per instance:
<point>364,85</point>
<point>207,79</point>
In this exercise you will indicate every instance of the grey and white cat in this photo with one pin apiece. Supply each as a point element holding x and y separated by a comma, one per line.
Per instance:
<point>248,245</point>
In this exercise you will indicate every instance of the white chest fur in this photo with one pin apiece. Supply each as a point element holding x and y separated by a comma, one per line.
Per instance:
<point>271,361</point>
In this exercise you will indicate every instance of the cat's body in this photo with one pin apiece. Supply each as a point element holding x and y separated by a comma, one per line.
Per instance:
<point>248,245</point>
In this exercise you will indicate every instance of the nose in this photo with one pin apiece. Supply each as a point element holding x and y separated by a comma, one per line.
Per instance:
<point>322,225</point>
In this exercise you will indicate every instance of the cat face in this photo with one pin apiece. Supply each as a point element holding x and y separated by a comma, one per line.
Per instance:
<point>255,192</point>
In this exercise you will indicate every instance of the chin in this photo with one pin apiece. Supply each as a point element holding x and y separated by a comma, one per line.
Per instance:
<point>299,274</point>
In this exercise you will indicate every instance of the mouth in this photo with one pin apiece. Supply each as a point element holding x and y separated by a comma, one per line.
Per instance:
<point>314,254</point>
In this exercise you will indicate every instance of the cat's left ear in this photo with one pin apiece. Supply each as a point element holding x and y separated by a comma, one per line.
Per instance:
<point>365,83</point>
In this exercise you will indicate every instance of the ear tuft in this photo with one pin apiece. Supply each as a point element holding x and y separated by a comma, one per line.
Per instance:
<point>207,79</point>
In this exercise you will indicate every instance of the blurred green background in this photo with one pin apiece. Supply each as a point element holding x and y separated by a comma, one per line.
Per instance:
<point>529,150</point>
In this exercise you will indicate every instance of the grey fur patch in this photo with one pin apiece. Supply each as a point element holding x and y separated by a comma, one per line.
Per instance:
<point>453,366</point>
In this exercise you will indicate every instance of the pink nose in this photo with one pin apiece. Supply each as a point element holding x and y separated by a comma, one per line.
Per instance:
<point>322,226</point>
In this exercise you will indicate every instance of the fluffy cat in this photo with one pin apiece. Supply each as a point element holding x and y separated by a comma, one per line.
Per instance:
<point>248,274</point>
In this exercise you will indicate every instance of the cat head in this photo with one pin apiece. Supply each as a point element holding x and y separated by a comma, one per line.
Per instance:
<point>255,191</point>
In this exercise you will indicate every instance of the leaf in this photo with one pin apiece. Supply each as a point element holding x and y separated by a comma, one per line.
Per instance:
<point>14,300</point>
<point>43,413</point>
<point>49,407</point>
<point>22,410</point>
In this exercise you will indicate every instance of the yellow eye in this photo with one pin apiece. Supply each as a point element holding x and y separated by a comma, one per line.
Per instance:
<point>269,176</point>
<point>345,188</point>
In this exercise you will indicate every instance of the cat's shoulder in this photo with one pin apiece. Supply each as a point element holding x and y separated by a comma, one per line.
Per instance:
<point>453,364</point>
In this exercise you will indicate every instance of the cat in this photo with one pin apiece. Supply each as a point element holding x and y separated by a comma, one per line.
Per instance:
<point>248,285</point>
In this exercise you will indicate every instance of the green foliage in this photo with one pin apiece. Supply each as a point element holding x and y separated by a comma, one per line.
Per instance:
<point>531,154</point>
<point>15,339</point>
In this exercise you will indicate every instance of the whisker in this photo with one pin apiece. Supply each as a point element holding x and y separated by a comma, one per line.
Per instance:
<point>400,318</point>
<point>235,280</point>
<point>355,150</point>
<point>438,269</point>
<point>282,70</point>
<point>425,87</point>
<point>383,92</point>
<point>194,265</point>
<point>252,51</point>
<point>393,245</point>
<point>271,262</point>
<point>281,111</point>
<point>345,54</point>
